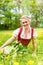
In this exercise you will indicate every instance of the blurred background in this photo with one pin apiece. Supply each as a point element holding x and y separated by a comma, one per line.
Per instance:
<point>12,10</point>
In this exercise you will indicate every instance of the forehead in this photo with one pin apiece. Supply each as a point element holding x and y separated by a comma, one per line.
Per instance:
<point>23,20</point>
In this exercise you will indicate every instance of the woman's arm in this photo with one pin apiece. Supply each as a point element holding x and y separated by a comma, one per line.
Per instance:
<point>8,42</point>
<point>34,45</point>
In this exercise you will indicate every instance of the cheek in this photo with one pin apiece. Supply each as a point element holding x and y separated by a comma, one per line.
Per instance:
<point>28,23</point>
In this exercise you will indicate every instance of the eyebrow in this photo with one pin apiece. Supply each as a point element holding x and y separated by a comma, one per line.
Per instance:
<point>24,22</point>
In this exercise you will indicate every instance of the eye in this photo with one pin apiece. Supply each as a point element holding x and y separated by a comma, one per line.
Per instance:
<point>24,22</point>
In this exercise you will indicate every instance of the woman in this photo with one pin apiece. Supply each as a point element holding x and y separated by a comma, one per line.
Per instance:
<point>24,34</point>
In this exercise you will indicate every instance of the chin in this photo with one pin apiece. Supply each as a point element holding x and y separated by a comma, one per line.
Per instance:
<point>25,27</point>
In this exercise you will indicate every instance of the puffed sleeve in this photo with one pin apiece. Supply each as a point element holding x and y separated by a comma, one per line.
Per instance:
<point>15,33</point>
<point>35,33</point>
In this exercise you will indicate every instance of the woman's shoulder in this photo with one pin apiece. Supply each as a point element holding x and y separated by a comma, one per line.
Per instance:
<point>34,32</point>
<point>16,31</point>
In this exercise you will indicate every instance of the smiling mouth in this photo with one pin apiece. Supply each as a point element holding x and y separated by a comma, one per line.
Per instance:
<point>26,25</point>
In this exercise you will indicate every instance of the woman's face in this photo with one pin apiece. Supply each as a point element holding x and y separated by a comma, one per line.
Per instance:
<point>25,23</point>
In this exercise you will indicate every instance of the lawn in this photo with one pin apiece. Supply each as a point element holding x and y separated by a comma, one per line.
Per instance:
<point>14,58</point>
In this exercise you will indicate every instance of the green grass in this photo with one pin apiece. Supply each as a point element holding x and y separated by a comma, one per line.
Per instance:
<point>26,57</point>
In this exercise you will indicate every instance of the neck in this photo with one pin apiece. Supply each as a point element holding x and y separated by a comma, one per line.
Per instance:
<point>27,29</point>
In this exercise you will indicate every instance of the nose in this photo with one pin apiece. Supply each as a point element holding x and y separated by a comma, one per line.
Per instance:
<point>25,24</point>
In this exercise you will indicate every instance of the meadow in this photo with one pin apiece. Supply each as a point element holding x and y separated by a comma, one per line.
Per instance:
<point>26,58</point>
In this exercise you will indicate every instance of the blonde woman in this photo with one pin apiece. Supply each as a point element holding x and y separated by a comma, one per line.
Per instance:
<point>24,34</point>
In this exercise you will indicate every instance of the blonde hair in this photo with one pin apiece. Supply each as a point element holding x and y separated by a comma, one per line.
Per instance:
<point>25,17</point>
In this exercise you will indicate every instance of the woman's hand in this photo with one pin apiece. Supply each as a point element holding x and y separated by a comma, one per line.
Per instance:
<point>34,46</point>
<point>34,54</point>
<point>1,48</point>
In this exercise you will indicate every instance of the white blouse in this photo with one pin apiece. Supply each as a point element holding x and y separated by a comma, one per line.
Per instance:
<point>16,32</point>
